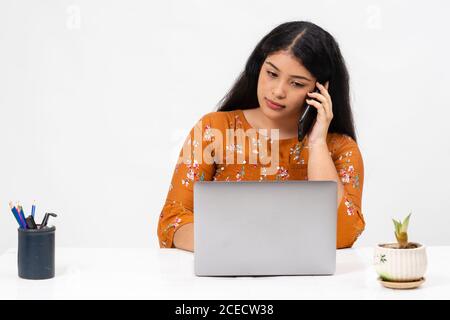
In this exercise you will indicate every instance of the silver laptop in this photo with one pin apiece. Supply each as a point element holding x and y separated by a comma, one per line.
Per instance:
<point>262,228</point>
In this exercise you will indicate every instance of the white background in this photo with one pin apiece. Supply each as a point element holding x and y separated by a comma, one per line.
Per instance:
<point>96,98</point>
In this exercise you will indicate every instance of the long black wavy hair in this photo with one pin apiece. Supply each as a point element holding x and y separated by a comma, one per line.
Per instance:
<point>318,51</point>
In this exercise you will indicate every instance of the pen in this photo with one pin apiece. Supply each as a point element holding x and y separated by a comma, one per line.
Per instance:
<point>16,215</point>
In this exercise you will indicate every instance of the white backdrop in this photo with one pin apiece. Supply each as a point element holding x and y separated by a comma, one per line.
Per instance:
<point>96,98</point>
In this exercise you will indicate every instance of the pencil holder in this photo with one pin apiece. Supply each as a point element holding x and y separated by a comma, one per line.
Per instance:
<point>36,253</point>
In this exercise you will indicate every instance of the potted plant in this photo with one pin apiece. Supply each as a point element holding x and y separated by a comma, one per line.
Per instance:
<point>401,265</point>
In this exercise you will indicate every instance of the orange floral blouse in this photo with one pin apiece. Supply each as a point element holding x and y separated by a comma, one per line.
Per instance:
<point>293,163</point>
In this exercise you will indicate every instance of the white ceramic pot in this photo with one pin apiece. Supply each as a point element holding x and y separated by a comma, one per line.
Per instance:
<point>400,264</point>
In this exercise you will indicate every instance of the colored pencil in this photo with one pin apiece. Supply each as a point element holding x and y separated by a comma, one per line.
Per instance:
<point>16,215</point>
<point>33,209</point>
<point>21,215</point>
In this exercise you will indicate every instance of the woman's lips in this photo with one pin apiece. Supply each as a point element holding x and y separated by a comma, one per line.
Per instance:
<point>274,106</point>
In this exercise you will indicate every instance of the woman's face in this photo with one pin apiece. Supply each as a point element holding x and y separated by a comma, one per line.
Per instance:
<point>285,81</point>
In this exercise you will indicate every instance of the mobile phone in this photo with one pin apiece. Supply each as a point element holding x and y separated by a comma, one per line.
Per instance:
<point>306,119</point>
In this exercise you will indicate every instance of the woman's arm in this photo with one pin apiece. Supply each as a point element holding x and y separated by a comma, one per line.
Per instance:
<point>321,167</point>
<point>347,168</point>
<point>184,237</point>
<point>177,211</point>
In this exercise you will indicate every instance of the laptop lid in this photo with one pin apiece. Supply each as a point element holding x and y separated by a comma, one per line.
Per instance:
<point>250,228</point>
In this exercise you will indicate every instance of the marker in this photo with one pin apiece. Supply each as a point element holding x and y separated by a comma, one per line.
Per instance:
<point>30,223</point>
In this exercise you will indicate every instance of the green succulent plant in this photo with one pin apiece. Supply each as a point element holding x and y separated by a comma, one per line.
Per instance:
<point>401,232</point>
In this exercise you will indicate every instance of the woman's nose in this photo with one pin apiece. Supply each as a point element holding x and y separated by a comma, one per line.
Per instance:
<point>278,91</point>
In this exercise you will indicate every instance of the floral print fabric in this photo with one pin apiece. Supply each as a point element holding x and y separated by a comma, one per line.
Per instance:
<point>293,163</point>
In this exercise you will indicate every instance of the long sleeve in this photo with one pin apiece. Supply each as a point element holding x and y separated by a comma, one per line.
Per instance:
<point>350,168</point>
<point>191,166</point>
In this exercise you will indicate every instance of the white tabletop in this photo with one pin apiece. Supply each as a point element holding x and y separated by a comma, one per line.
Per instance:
<point>83,273</point>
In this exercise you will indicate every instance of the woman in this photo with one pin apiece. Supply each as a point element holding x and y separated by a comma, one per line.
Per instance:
<point>280,77</point>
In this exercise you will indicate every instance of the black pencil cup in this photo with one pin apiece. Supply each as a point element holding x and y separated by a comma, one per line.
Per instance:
<point>36,253</point>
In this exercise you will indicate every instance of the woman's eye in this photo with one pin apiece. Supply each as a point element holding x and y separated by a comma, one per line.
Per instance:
<point>273,75</point>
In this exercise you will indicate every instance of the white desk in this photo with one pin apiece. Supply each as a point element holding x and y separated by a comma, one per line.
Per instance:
<point>169,274</point>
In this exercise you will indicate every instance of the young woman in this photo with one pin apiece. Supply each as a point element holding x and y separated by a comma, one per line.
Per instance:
<point>280,77</point>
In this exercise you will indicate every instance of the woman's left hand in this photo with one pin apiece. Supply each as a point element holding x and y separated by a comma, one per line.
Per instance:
<point>318,134</point>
